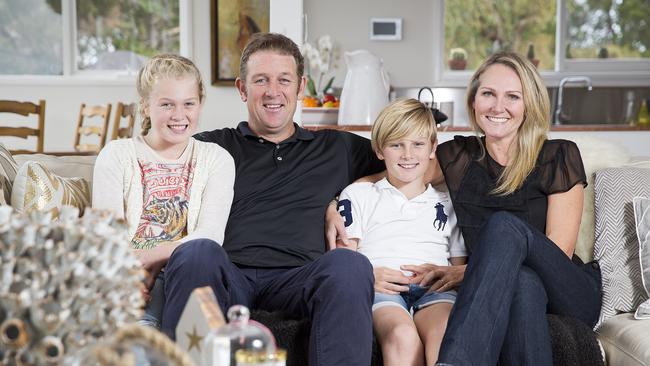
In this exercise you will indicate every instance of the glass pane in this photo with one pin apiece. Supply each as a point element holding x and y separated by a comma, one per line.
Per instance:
<point>608,29</point>
<point>31,37</point>
<point>121,35</point>
<point>482,27</point>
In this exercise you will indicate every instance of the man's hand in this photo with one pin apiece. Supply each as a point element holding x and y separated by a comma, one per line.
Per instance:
<point>440,278</point>
<point>390,281</point>
<point>334,227</point>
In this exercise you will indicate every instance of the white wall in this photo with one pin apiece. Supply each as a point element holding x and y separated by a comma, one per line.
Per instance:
<point>223,107</point>
<point>409,62</point>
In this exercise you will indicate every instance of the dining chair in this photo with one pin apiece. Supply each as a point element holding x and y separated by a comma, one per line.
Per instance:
<point>83,128</point>
<point>24,109</point>
<point>124,111</point>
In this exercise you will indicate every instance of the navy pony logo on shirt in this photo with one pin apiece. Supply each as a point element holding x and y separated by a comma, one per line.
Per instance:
<point>441,217</point>
<point>345,209</point>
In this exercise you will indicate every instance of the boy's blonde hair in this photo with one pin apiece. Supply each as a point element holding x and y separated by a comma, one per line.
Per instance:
<point>161,67</point>
<point>401,118</point>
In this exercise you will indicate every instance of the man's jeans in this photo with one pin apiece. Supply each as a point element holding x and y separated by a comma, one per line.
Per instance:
<point>514,277</point>
<point>335,292</point>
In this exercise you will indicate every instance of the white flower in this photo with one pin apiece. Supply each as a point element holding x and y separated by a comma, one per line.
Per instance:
<point>321,59</point>
<point>325,43</point>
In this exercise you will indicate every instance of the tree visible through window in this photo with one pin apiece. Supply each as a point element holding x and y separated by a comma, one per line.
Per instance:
<point>596,29</point>
<point>608,29</point>
<point>31,41</point>
<point>121,35</point>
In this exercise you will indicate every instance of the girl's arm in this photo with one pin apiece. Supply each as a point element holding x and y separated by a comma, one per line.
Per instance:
<point>563,218</point>
<point>215,202</point>
<point>108,181</point>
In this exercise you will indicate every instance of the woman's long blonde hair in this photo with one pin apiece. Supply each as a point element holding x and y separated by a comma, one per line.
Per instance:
<point>533,130</point>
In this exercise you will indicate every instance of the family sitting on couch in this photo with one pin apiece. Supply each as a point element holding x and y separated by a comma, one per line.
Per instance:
<point>243,210</point>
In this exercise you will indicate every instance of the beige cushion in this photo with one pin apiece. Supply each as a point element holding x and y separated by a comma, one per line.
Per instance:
<point>38,189</point>
<point>8,168</point>
<point>626,340</point>
<point>65,166</point>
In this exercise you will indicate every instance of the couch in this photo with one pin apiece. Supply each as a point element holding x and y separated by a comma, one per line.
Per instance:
<point>619,339</point>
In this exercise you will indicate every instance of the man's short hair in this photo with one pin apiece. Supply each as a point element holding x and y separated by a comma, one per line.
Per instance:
<point>271,42</point>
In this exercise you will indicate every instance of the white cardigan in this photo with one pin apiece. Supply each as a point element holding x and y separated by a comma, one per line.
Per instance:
<point>117,186</point>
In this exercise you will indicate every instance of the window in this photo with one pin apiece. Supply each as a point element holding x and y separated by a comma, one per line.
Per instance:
<point>106,37</point>
<point>29,46</point>
<point>607,40</point>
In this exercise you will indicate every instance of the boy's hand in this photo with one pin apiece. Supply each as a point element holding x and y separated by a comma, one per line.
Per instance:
<point>390,281</point>
<point>440,278</point>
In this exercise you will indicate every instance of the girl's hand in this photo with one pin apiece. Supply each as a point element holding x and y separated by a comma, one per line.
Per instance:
<point>390,281</point>
<point>153,260</point>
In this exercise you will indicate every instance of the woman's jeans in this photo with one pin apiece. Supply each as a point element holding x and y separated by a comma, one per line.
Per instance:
<point>514,277</point>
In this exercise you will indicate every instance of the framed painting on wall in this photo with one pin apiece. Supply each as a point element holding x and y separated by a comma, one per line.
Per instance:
<point>232,24</point>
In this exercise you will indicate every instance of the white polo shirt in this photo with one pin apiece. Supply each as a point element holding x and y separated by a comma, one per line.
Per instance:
<point>394,231</point>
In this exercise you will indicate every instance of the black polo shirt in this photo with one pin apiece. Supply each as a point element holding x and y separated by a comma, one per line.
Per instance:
<point>282,191</point>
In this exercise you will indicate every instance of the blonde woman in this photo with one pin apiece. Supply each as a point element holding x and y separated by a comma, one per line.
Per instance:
<point>518,197</point>
<point>168,186</point>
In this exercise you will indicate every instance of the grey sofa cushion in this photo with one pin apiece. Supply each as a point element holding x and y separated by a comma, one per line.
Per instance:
<point>616,247</point>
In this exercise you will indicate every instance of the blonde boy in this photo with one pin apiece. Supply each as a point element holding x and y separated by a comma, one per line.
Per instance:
<point>401,222</point>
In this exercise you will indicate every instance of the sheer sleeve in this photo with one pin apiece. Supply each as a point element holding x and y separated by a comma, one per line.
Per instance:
<point>455,156</point>
<point>562,166</point>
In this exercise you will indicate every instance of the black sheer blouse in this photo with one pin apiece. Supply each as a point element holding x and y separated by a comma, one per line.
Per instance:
<point>470,180</point>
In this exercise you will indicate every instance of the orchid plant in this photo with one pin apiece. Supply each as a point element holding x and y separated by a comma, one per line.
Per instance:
<point>320,60</point>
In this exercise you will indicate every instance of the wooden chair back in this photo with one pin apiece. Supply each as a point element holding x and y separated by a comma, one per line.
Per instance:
<point>124,111</point>
<point>83,128</point>
<point>25,109</point>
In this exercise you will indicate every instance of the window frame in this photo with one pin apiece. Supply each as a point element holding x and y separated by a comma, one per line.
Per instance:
<point>73,76</point>
<point>630,72</point>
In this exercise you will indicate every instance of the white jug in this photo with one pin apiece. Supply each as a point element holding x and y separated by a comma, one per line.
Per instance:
<point>365,90</point>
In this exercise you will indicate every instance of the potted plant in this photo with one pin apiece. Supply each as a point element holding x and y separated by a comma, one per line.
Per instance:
<point>457,59</point>
<point>530,55</point>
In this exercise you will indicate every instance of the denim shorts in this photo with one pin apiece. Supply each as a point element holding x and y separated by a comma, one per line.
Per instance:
<point>414,299</point>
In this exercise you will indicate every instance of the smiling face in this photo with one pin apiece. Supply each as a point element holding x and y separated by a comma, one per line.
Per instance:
<point>271,91</point>
<point>499,104</point>
<point>407,160</point>
<point>174,107</point>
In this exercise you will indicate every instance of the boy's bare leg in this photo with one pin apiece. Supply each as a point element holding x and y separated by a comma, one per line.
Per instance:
<point>431,323</point>
<point>398,337</point>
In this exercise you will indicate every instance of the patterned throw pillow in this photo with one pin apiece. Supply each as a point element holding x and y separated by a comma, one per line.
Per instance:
<point>37,189</point>
<point>8,169</point>
<point>616,247</point>
<point>642,219</point>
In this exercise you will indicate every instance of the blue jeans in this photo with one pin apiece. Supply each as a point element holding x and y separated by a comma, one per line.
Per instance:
<point>514,277</point>
<point>417,297</point>
<point>152,316</point>
<point>335,292</point>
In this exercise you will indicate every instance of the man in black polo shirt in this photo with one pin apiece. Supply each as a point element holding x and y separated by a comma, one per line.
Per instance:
<point>274,253</point>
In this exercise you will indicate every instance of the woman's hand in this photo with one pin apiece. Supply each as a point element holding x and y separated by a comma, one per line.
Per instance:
<point>390,281</point>
<point>335,228</point>
<point>440,278</point>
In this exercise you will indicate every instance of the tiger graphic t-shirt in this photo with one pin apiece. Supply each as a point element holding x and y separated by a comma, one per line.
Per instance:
<point>166,188</point>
